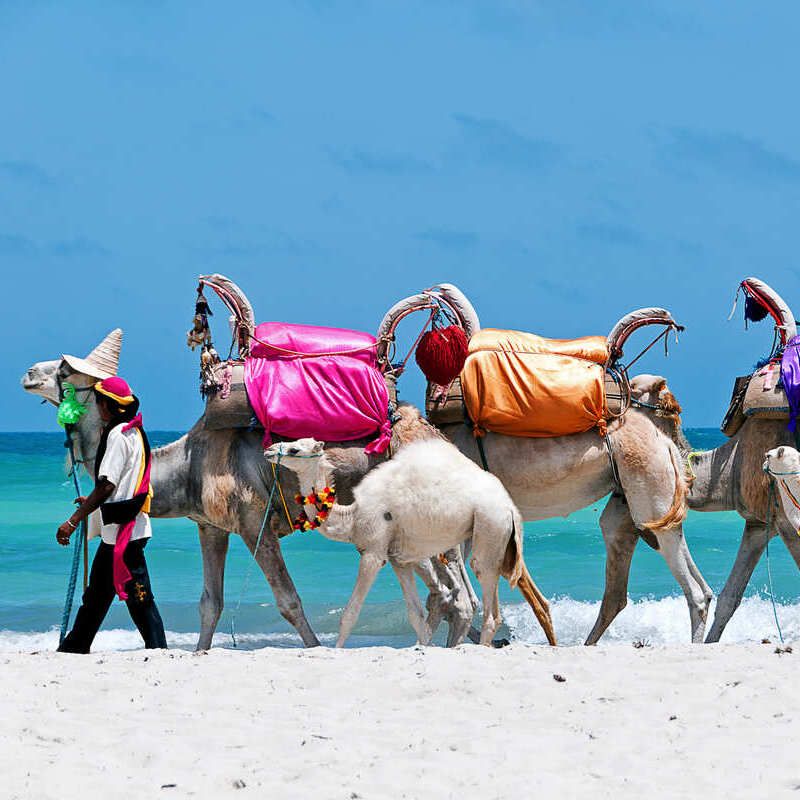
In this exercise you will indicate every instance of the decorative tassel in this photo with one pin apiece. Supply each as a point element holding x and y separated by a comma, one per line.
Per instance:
<point>754,310</point>
<point>441,354</point>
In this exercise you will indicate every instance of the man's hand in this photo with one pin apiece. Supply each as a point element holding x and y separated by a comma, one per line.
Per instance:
<point>63,533</point>
<point>86,505</point>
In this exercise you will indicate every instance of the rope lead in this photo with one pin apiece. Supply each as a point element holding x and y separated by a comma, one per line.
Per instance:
<point>77,547</point>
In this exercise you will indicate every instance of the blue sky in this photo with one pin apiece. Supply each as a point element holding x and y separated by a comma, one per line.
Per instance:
<point>562,162</point>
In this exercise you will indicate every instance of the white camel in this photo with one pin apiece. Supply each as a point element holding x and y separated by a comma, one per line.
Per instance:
<point>426,500</point>
<point>782,465</point>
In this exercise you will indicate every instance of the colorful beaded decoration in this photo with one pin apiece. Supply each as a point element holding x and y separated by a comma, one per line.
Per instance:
<point>323,501</point>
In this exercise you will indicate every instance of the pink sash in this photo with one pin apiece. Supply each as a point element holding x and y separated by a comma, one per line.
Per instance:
<point>121,573</point>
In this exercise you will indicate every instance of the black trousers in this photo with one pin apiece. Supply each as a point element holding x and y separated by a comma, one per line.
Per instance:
<point>100,594</point>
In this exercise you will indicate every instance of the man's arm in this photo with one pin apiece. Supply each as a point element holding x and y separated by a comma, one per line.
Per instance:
<point>101,492</point>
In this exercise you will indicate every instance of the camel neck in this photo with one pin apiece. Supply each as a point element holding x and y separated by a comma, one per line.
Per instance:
<point>316,479</point>
<point>313,477</point>
<point>170,478</point>
<point>711,472</point>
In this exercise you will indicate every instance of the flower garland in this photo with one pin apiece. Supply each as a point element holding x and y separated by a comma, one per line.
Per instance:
<point>323,501</point>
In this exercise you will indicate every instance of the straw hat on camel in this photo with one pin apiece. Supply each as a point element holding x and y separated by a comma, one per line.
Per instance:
<point>103,361</point>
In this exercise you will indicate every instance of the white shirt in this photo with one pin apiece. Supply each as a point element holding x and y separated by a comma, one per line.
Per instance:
<point>121,464</point>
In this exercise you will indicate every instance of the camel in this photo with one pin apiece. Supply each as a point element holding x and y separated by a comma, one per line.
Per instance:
<point>782,466</point>
<point>730,478</point>
<point>549,477</point>
<point>427,499</point>
<point>219,480</point>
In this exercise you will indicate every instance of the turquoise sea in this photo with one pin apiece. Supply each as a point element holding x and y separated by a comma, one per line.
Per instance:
<point>566,557</point>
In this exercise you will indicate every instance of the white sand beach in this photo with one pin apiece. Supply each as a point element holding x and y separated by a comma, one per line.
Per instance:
<point>680,721</point>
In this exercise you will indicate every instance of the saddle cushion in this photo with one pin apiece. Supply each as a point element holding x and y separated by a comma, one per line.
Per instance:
<point>304,380</point>
<point>764,397</point>
<point>521,384</point>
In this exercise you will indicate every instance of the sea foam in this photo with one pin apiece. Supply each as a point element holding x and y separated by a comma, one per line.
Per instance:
<point>662,620</point>
<point>122,639</point>
<point>656,621</point>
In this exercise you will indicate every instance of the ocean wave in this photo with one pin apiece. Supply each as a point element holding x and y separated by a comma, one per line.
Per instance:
<point>662,620</point>
<point>122,639</point>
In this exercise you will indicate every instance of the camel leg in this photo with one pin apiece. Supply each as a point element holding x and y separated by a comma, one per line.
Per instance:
<point>708,594</point>
<point>462,555</point>
<point>416,615</point>
<point>489,580</point>
<point>461,610</point>
<point>672,545</point>
<point>445,600</point>
<point>754,540</point>
<point>792,542</point>
<point>368,568</point>
<point>489,541</point>
<point>473,634</point>
<point>438,598</point>
<point>620,537</point>
<point>270,559</point>
<point>214,548</point>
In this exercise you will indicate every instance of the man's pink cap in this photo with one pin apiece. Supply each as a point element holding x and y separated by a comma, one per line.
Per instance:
<point>117,389</point>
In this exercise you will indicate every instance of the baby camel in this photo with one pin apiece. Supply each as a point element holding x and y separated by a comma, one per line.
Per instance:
<point>782,464</point>
<point>427,499</point>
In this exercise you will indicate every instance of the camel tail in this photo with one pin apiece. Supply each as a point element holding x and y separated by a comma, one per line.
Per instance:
<point>677,511</point>
<point>516,572</point>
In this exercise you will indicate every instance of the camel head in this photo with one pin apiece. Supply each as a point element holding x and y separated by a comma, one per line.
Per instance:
<point>782,465</point>
<point>307,459</point>
<point>782,460</point>
<point>652,389</point>
<point>86,432</point>
<point>302,456</point>
<point>41,379</point>
<point>47,378</point>
<point>290,452</point>
<point>651,394</point>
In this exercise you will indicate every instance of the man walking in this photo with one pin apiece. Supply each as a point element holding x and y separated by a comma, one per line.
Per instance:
<point>122,493</point>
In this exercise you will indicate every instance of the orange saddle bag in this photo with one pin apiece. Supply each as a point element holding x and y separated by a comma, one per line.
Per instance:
<point>521,384</point>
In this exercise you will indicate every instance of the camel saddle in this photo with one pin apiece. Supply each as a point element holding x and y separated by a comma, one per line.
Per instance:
<point>304,380</point>
<point>759,395</point>
<point>521,384</point>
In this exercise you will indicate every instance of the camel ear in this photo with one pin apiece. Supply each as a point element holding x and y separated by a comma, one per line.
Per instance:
<point>318,448</point>
<point>659,385</point>
<point>780,452</point>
